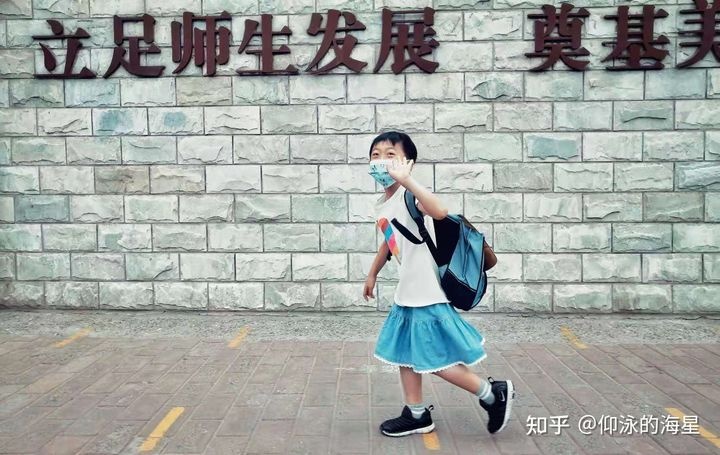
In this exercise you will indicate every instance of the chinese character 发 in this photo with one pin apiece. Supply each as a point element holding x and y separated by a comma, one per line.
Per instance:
<point>342,45</point>
<point>398,37</point>
<point>132,63</point>
<point>706,34</point>
<point>635,40</point>
<point>557,37</point>
<point>266,51</point>
<point>209,47</point>
<point>73,47</point>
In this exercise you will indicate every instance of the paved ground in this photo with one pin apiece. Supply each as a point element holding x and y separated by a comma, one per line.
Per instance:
<point>126,383</point>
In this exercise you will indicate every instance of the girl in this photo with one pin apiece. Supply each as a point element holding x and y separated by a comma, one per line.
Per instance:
<point>422,333</point>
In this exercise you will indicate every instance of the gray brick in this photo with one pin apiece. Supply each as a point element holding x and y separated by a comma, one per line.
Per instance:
<point>122,179</point>
<point>695,298</point>
<point>176,120</point>
<point>464,177</point>
<point>92,93</point>
<point>183,237</point>
<point>16,63</point>
<point>112,7</point>
<point>552,85</point>
<point>319,208</point>
<point>212,91</point>
<point>675,83</point>
<point>232,120</point>
<point>126,296</point>
<point>292,237</point>
<point>673,206</point>
<point>36,93</point>
<point>643,176</point>
<point>7,209</point>
<point>261,90</point>
<point>361,207</point>
<point>461,118</point>
<point>611,267</point>
<point>509,268</point>
<point>287,179</point>
<point>152,266</point>
<point>295,119</point>
<point>18,294</point>
<point>712,207</point>
<point>151,209</point>
<point>233,179</point>
<point>642,298</point>
<point>148,91</point>
<point>98,266</point>
<point>613,85</point>
<point>552,267</point>
<point>262,267</point>
<point>522,116</point>
<point>584,177</point>
<point>711,265</point>
<point>93,150</point>
<point>698,176</point>
<point>20,237</point>
<point>16,8</point>
<point>309,89</point>
<point>697,238</point>
<point>183,296</point>
<point>292,296</point>
<point>523,238</point>
<point>673,146</point>
<point>441,147</point>
<point>553,207</point>
<point>43,266</point>
<point>463,56</point>
<point>117,121</point>
<point>592,298</point>
<point>522,298</point>
<point>345,178</point>
<point>345,297</point>
<point>494,207</point>
<point>360,264</point>
<point>375,88</point>
<point>236,296</point>
<point>149,150</point>
<point>261,149</point>
<point>38,151</point>
<point>581,238</point>
<point>124,237</point>
<point>437,87</point>
<point>712,145</point>
<point>177,179</point>
<point>523,177</point>
<point>201,150</point>
<point>493,25</point>
<point>613,207</point>
<point>207,266</point>
<point>255,208</point>
<point>48,209</point>
<point>643,115</point>
<point>69,237</point>
<point>207,208</point>
<point>352,237</point>
<point>67,180</point>
<point>319,267</point>
<point>697,114</point>
<point>97,209</point>
<point>70,294</point>
<point>7,266</point>
<point>583,116</point>
<point>5,148</point>
<point>317,149</point>
<point>235,237</point>
<point>552,146</point>
<point>676,268</point>
<point>637,237</point>
<point>408,118</point>
<point>19,179</point>
<point>615,146</point>
<point>499,86</point>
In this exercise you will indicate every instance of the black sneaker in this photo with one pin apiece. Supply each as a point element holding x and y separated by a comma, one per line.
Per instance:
<point>407,424</point>
<point>499,411</point>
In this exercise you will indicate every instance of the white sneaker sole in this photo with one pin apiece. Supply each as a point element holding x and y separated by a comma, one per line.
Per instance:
<point>426,429</point>
<point>508,407</point>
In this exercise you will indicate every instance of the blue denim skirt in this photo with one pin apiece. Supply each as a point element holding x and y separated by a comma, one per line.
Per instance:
<point>428,339</point>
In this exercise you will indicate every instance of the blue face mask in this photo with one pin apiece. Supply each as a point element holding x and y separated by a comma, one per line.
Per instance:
<point>378,170</point>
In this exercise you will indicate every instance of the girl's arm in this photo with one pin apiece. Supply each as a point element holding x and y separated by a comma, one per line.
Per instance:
<point>380,260</point>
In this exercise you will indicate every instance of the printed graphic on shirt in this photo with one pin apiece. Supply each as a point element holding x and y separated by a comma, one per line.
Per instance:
<point>389,236</point>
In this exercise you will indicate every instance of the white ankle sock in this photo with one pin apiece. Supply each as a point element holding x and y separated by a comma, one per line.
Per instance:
<point>485,392</point>
<point>417,410</point>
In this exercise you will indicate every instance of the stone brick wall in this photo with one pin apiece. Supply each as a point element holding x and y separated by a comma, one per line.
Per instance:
<point>600,190</point>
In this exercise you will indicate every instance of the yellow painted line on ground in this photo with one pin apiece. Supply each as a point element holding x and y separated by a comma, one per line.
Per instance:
<point>235,342</point>
<point>572,338</point>
<point>76,336</point>
<point>431,441</point>
<point>161,428</point>
<point>705,433</point>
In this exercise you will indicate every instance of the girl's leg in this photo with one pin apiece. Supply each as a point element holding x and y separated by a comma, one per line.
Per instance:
<point>463,377</point>
<point>412,385</point>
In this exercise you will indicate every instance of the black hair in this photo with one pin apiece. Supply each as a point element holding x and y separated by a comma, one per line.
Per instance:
<point>394,137</point>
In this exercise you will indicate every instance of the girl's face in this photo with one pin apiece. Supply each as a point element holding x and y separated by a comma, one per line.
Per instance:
<point>386,151</point>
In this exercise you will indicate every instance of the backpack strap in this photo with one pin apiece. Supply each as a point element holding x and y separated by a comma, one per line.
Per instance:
<point>417,216</point>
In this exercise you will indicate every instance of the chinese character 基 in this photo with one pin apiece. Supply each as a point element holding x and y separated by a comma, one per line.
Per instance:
<point>266,50</point>
<point>73,47</point>
<point>209,47</point>
<point>342,46</point>
<point>398,37</point>
<point>132,63</point>
<point>635,40</point>
<point>557,37</point>
<point>706,34</point>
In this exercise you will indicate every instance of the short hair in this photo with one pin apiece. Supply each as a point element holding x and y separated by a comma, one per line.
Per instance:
<point>394,137</point>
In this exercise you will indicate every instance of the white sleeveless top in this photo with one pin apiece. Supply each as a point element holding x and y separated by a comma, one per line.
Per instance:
<point>419,281</point>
